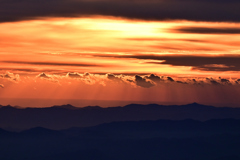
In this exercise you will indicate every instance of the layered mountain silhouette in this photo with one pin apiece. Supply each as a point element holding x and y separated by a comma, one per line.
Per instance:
<point>217,139</point>
<point>67,116</point>
<point>132,132</point>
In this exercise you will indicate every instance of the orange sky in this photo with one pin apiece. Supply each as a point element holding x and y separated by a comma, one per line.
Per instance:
<point>79,41</point>
<point>183,50</point>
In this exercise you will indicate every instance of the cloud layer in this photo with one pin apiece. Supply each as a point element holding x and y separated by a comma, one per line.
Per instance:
<point>144,81</point>
<point>211,10</point>
<point>147,88</point>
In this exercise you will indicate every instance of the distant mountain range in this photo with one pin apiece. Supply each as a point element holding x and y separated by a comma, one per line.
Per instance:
<point>217,139</point>
<point>132,132</point>
<point>67,116</point>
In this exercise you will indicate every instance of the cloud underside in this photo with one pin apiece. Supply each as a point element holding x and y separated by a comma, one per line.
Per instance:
<point>212,10</point>
<point>143,81</point>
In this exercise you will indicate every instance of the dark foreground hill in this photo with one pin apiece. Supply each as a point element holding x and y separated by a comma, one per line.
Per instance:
<point>66,116</point>
<point>161,139</point>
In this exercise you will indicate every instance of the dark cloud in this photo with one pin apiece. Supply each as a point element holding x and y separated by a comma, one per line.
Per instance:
<point>143,82</point>
<point>224,63</point>
<point>199,10</point>
<point>113,77</point>
<point>219,81</point>
<point>51,63</point>
<point>205,30</point>
<point>154,78</point>
<point>194,80</point>
<point>181,82</point>
<point>237,81</point>
<point>170,79</point>
<point>224,81</point>
<point>230,42</point>
<point>212,81</point>
<point>130,80</point>
<point>206,63</point>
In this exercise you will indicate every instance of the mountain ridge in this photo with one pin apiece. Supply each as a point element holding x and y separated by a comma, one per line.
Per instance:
<point>187,139</point>
<point>66,116</point>
<point>70,106</point>
<point>221,125</point>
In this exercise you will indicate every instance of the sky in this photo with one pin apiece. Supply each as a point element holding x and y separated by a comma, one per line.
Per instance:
<point>145,51</point>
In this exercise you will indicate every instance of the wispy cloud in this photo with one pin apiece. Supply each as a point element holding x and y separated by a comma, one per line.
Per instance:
<point>207,30</point>
<point>52,63</point>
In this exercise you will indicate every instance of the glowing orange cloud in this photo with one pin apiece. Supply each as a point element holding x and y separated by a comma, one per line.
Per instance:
<point>148,88</point>
<point>61,45</point>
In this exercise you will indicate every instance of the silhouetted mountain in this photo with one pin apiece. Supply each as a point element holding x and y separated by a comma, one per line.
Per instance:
<point>159,128</point>
<point>233,157</point>
<point>66,116</point>
<point>3,132</point>
<point>217,139</point>
<point>67,106</point>
<point>40,131</point>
